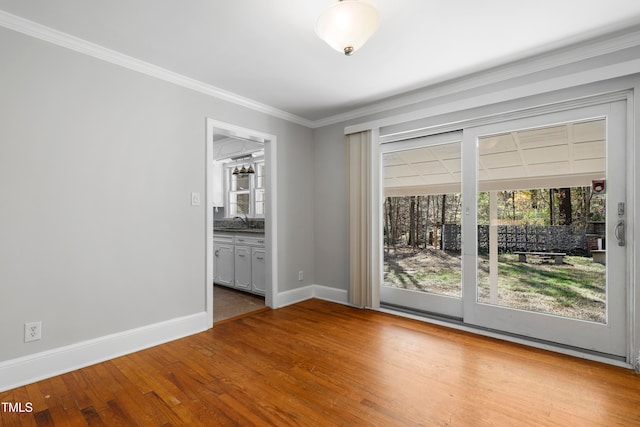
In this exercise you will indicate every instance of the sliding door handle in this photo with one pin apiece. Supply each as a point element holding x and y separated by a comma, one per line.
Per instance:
<point>619,232</point>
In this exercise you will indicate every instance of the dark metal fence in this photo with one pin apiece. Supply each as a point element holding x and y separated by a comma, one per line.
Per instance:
<point>529,238</point>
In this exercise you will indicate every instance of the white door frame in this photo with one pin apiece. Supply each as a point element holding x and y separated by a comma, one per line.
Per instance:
<point>271,223</point>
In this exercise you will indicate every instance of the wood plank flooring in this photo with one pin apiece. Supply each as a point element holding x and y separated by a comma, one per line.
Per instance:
<point>322,364</point>
<point>231,304</point>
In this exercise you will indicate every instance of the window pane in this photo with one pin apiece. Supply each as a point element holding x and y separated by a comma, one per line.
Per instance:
<point>422,219</point>
<point>260,199</point>
<point>259,168</point>
<point>239,182</point>
<point>239,204</point>
<point>541,230</point>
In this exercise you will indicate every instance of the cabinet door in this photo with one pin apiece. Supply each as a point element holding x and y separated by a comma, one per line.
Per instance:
<point>243,268</point>
<point>223,267</point>
<point>258,270</point>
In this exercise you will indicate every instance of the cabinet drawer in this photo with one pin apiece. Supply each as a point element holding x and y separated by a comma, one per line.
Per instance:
<point>249,240</point>
<point>223,238</point>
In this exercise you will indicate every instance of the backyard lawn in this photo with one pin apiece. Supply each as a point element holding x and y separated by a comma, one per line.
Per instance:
<point>573,289</point>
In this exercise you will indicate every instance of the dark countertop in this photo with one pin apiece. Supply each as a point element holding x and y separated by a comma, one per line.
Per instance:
<point>238,230</point>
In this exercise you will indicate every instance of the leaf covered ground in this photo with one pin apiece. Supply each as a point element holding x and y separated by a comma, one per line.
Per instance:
<point>576,288</point>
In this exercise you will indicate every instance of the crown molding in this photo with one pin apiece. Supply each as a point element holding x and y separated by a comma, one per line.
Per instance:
<point>42,32</point>
<point>600,74</point>
<point>545,61</point>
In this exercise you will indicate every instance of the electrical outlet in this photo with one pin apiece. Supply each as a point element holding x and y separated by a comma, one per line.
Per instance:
<point>300,275</point>
<point>32,331</point>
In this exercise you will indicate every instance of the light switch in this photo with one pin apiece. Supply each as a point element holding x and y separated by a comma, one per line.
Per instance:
<point>195,199</point>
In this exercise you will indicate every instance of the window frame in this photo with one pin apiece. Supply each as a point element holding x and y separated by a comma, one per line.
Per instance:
<point>251,191</point>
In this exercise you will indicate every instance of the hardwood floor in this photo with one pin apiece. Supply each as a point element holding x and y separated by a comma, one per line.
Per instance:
<point>321,364</point>
<point>230,304</point>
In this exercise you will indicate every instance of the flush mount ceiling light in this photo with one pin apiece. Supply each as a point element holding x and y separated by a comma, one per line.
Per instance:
<point>347,25</point>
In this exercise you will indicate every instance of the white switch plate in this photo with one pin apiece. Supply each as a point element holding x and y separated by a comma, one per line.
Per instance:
<point>195,199</point>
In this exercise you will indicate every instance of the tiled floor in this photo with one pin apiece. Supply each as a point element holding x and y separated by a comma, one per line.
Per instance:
<point>229,303</point>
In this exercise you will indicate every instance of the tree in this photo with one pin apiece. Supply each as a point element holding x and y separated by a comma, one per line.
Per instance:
<point>551,192</point>
<point>411,241</point>
<point>443,218</point>
<point>566,216</point>
<point>389,232</point>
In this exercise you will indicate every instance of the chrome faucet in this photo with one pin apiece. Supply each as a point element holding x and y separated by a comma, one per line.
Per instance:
<point>244,220</point>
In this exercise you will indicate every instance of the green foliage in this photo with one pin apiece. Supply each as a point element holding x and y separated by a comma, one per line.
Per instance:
<point>416,220</point>
<point>542,207</point>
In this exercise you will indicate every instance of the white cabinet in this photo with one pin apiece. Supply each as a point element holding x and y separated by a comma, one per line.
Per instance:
<point>239,261</point>
<point>258,270</point>
<point>243,268</point>
<point>223,263</point>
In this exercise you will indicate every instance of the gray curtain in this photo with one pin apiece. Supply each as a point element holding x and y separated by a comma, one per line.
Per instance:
<point>364,259</point>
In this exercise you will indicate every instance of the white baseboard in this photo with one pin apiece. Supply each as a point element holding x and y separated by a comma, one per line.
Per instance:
<point>312,291</point>
<point>35,367</point>
<point>340,296</point>
<point>293,296</point>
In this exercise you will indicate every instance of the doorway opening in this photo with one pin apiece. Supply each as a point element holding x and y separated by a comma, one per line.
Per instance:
<point>230,304</point>
<point>241,232</point>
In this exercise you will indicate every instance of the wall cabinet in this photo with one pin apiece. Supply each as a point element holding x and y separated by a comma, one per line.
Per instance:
<point>239,262</point>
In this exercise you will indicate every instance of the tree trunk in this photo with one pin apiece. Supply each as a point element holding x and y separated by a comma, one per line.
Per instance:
<point>389,221</point>
<point>551,206</point>
<point>412,221</point>
<point>426,224</point>
<point>395,223</point>
<point>418,219</point>
<point>566,215</point>
<point>443,218</point>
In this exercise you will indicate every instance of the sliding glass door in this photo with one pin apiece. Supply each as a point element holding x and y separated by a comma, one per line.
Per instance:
<point>548,256</point>
<point>421,226</point>
<point>516,226</point>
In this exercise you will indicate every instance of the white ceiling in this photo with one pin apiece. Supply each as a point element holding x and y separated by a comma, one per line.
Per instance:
<point>225,147</point>
<point>565,155</point>
<point>267,50</point>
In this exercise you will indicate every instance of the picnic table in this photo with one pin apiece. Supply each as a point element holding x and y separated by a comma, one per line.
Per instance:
<point>557,256</point>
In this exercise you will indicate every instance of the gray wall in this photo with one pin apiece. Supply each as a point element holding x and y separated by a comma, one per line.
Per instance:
<point>97,163</point>
<point>330,193</point>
